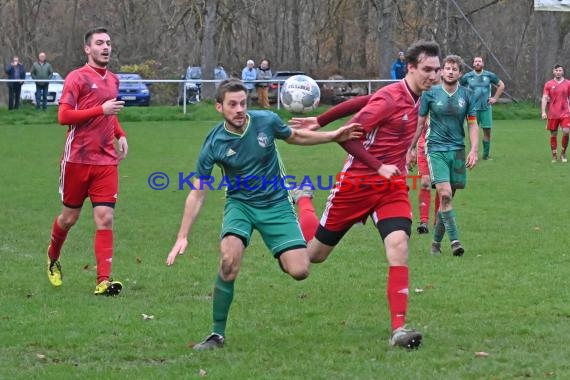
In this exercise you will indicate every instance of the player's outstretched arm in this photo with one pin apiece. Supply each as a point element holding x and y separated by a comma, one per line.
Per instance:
<point>309,123</point>
<point>307,137</point>
<point>339,111</point>
<point>192,207</point>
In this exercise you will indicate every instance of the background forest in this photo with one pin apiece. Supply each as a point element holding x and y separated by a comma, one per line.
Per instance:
<point>357,38</point>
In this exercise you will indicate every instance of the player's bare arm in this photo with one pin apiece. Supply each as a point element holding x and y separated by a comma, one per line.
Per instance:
<point>498,93</point>
<point>472,157</point>
<point>411,155</point>
<point>193,205</point>
<point>543,104</point>
<point>350,131</point>
<point>309,123</point>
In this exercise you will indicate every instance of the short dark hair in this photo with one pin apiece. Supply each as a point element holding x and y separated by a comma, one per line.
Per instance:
<point>419,48</point>
<point>229,85</point>
<point>452,58</point>
<point>91,32</point>
<point>557,66</point>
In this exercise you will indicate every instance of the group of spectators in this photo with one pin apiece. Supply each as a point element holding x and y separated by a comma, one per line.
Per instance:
<point>250,73</point>
<point>41,72</point>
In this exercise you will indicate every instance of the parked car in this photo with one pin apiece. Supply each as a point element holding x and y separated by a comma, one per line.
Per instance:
<point>28,92</point>
<point>280,77</point>
<point>133,90</point>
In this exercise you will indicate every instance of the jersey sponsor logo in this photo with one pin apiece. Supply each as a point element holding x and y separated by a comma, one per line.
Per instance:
<point>461,102</point>
<point>262,140</point>
<point>230,153</point>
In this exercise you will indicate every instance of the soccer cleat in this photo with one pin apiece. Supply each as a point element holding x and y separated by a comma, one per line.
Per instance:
<point>435,249</point>
<point>212,341</point>
<point>108,288</point>
<point>554,158</point>
<point>406,338</point>
<point>563,158</point>
<point>423,228</point>
<point>54,273</point>
<point>457,248</point>
<point>305,191</point>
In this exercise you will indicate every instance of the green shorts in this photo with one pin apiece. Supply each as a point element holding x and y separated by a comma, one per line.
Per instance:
<point>277,224</point>
<point>485,118</point>
<point>448,167</point>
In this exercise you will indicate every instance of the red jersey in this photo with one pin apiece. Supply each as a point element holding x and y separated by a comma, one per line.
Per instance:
<point>558,93</point>
<point>390,120</point>
<point>93,141</point>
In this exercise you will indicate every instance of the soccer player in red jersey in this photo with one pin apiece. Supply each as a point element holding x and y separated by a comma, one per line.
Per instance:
<point>89,108</point>
<point>348,108</point>
<point>556,94</point>
<point>389,120</point>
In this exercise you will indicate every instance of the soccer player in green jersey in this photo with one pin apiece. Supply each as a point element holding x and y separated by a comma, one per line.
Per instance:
<point>447,105</point>
<point>480,80</point>
<point>244,147</point>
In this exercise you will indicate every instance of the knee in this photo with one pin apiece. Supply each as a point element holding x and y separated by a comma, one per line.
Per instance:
<point>425,183</point>
<point>445,198</point>
<point>229,267</point>
<point>299,273</point>
<point>317,258</point>
<point>67,221</point>
<point>104,221</point>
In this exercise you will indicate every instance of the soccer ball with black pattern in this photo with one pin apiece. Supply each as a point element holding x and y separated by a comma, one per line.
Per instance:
<point>300,93</point>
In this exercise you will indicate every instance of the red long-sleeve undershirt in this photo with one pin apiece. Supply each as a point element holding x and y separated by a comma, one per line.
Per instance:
<point>67,115</point>
<point>352,147</point>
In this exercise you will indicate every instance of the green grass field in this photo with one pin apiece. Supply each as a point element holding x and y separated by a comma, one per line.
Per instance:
<point>505,297</point>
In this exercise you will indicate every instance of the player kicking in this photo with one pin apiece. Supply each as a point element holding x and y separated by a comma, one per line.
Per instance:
<point>556,95</point>
<point>389,120</point>
<point>244,146</point>
<point>89,107</point>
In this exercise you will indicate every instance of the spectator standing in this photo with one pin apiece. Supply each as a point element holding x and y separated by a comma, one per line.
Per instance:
<point>41,70</point>
<point>248,75</point>
<point>15,71</point>
<point>399,67</point>
<point>263,73</point>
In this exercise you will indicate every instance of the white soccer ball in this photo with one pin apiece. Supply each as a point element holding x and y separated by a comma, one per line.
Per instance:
<point>300,93</point>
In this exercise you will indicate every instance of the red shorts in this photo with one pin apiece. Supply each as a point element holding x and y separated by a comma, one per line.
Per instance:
<point>98,182</point>
<point>345,208</point>
<point>552,124</point>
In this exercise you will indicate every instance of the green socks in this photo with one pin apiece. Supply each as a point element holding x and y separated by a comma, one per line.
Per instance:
<point>223,297</point>
<point>448,218</point>
<point>486,148</point>
<point>439,229</point>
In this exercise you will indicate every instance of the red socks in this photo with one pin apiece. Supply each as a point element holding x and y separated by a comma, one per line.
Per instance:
<point>58,236</point>
<point>424,200</point>
<point>398,295</point>
<point>436,208</point>
<point>553,144</point>
<point>564,143</point>
<point>307,218</point>
<point>103,253</point>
